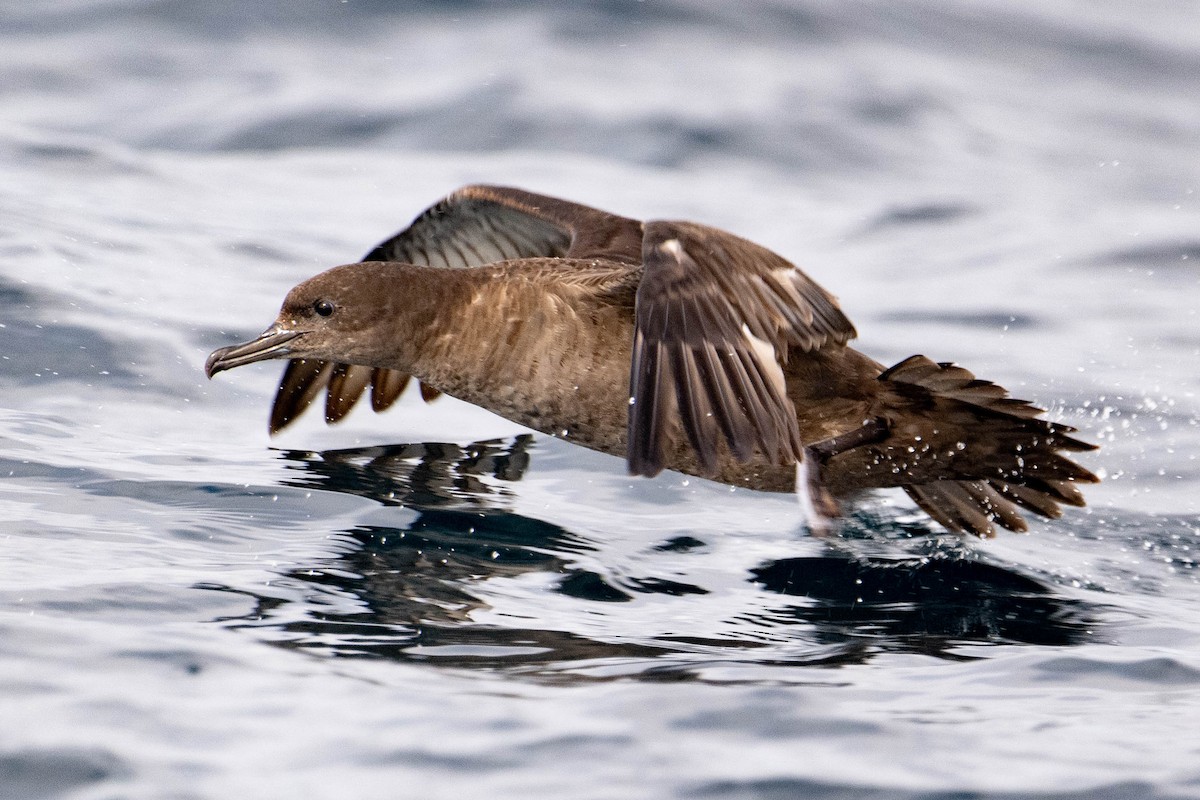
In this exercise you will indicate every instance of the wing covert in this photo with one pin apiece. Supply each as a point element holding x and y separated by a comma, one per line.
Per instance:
<point>715,316</point>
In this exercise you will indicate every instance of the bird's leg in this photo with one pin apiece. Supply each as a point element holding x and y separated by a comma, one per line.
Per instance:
<point>873,431</point>
<point>819,504</point>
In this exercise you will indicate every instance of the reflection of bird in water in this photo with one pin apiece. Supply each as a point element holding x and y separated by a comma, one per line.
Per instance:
<point>928,605</point>
<point>672,344</point>
<point>424,592</point>
<point>424,475</point>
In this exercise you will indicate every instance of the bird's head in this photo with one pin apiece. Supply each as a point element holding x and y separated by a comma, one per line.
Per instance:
<point>347,314</point>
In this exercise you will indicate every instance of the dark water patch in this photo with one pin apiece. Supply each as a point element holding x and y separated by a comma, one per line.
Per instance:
<point>71,155</point>
<point>621,19</point>
<point>476,765</point>
<point>675,141</point>
<point>795,23</point>
<point>1115,57</point>
<point>1180,343</point>
<point>1171,258</point>
<point>227,20</point>
<point>184,662</point>
<point>891,110</point>
<point>791,788</point>
<point>979,320</point>
<point>15,251</point>
<point>586,585</point>
<point>128,602</point>
<point>261,251</point>
<point>348,126</point>
<point>615,19</point>
<point>218,20</point>
<point>183,494</point>
<point>223,511</point>
<point>926,605</point>
<point>36,773</point>
<point>473,543</point>
<point>1007,36</point>
<point>35,349</point>
<point>663,586</point>
<point>1160,672</point>
<point>920,214</point>
<point>680,544</point>
<point>762,717</point>
<point>494,118</point>
<point>50,473</point>
<point>666,141</point>
<point>13,295</point>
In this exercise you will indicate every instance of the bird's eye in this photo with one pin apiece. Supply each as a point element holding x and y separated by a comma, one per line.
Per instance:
<point>323,307</point>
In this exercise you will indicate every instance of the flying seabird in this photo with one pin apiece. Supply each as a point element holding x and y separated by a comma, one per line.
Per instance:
<point>672,344</point>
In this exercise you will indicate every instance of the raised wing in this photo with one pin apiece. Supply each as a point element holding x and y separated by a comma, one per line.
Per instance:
<point>474,226</point>
<point>480,225</point>
<point>715,317</point>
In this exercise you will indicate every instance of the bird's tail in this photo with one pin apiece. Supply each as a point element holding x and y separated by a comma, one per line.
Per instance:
<point>990,455</point>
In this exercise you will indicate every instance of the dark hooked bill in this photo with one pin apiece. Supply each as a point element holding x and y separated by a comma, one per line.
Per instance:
<point>271,344</point>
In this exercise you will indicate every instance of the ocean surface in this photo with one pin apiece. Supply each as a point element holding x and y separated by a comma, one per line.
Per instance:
<point>433,603</point>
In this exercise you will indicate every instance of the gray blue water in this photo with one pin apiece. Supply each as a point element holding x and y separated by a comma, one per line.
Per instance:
<point>432,603</point>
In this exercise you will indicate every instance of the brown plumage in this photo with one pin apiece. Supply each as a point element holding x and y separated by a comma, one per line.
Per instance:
<point>675,345</point>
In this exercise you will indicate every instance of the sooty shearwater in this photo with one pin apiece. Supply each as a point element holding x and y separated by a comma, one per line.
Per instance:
<point>675,345</point>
